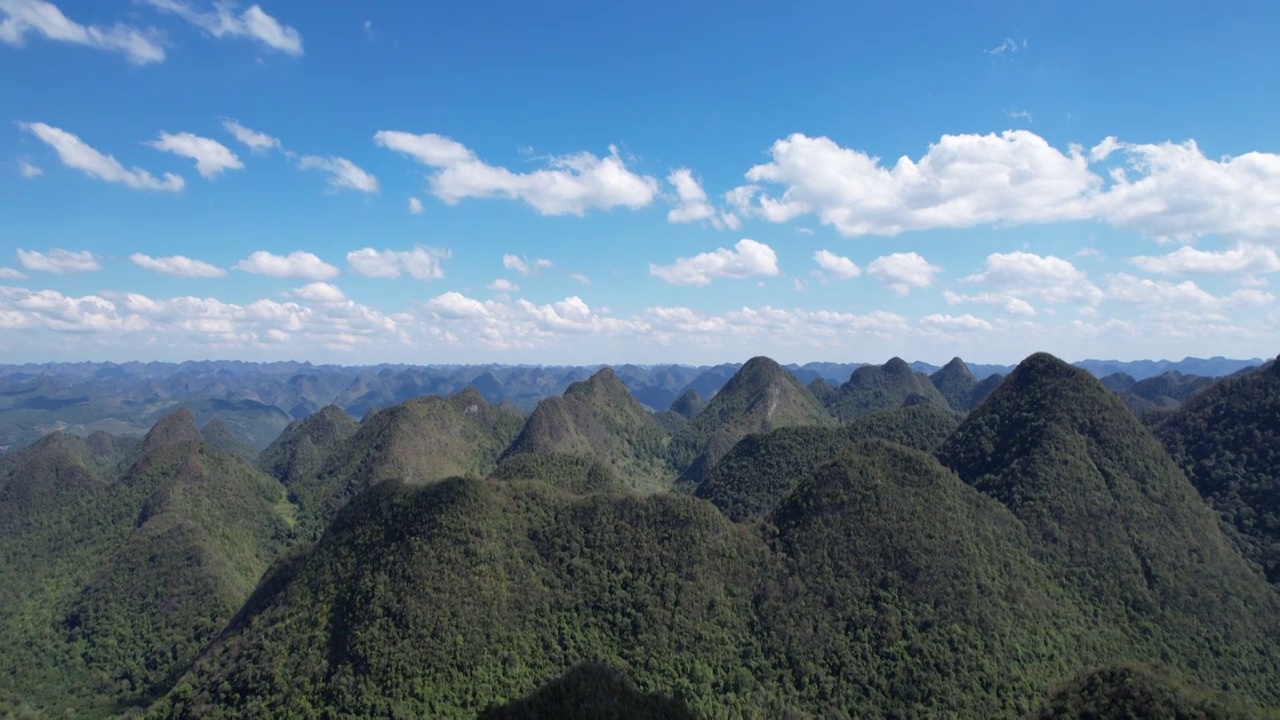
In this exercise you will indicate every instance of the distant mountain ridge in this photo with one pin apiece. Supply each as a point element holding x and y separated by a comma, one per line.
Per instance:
<point>255,401</point>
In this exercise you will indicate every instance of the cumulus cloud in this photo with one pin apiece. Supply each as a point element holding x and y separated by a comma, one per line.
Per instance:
<point>523,265</point>
<point>177,266</point>
<point>1244,258</point>
<point>1048,278</point>
<point>963,180</point>
<point>415,206</point>
<point>691,200</point>
<point>748,258</point>
<point>835,266</point>
<point>343,174</point>
<point>222,21</point>
<point>1164,190</point>
<point>420,263</point>
<point>297,265</point>
<point>27,170</point>
<point>59,261</point>
<point>1124,287</point>
<point>951,323</point>
<point>570,185</point>
<point>903,271</point>
<point>1003,301</point>
<point>256,141</point>
<point>503,285</point>
<point>211,156</point>
<point>320,292</point>
<point>78,155</point>
<point>23,17</point>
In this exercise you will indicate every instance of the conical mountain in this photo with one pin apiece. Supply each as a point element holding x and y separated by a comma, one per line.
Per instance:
<point>126,562</point>
<point>421,440</point>
<point>760,397</point>
<point>883,387</point>
<point>1170,389</point>
<point>1118,382</point>
<point>823,390</point>
<point>956,383</point>
<point>218,434</point>
<point>689,404</point>
<point>305,445</point>
<point>1227,439</point>
<point>763,469</point>
<point>441,600</point>
<point>984,388</point>
<point>207,531</point>
<point>1113,515</point>
<point>599,417</point>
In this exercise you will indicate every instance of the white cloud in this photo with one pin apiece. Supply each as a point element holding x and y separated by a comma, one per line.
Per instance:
<point>256,141</point>
<point>11,274</point>
<point>296,265</point>
<point>1009,46</point>
<point>1003,301</point>
<point>222,22</point>
<point>177,265</point>
<point>21,17</point>
<point>27,170</point>
<point>835,266</point>
<point>211,156</point>
<point>955,322</point>
<point>692,204</point>
<point>1173,191</point>
<point>748,259</point>
<point>903,271</point>
<point>570,185</point>
<point>963,180</point>
<point>523,265</point>
<point>1049,278</point>
<point>1020,115</point>
<point>503,285</point>
<point>58,261</point>
<point>420,263</point>
<point>415,206</point>
<point>320,292</point>
<point>1166,190</point>
<point>343,174</point>
<point>1166,295</point>
<point>76,154</point>
<point>579,277</point>
<point>1244,258</point>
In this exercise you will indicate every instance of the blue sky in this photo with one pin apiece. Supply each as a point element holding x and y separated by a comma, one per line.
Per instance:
<point>571,182</point>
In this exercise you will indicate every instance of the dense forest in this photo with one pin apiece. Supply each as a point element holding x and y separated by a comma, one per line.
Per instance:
<point>1041,544</point>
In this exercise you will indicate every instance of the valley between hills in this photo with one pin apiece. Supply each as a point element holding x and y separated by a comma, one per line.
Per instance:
<point>747,541</point>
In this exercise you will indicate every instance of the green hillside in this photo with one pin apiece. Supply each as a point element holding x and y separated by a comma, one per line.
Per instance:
<point>305,445</point>
<point>122,562</point>
<point>760,397</point>
<point>956,383</point>
<point>1227,439</point>
<point>418,441</point>
<point>763,468</point>
<point>1130,692</point>
<point>1118,522</point>
<point>883,387</point>
<point>600,417</point>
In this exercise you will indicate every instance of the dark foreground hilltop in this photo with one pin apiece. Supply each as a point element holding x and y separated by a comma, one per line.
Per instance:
<point>894,545</point>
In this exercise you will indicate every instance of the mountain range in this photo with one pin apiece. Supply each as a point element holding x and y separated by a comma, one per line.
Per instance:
<point>898,544</point>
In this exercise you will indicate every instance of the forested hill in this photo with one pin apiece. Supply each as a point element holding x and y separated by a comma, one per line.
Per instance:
<point>1023,547</point>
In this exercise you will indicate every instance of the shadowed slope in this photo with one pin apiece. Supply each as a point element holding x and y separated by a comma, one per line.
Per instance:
<point>884,387</point>
<point>956,384</point>
<point>302,449</point>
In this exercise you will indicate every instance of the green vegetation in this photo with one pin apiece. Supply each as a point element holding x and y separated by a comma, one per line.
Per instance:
<point>600,417</point>
<point>883,387</point>
<point>1135,692</point>
<point>956,383</point>
<point>763,468</point>
<point>689,404</point>
<point>984,388</point>
<point>305,445</point>
<point>1227,439</point>
<point>760,397</point>
<point>119,570</point>
<point>579,474</point>
<point>419,441</point>
<point>1119,523</point>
